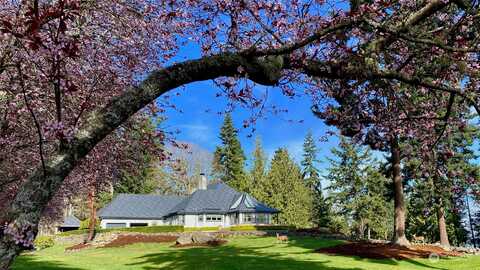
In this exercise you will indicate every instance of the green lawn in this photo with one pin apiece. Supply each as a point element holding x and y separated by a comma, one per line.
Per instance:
<point>249,253</point>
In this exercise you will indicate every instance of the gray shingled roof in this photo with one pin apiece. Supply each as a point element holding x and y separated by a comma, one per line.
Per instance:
<point>217,198</point>
<point>246,203</point>
<point>70,222</point>
<point>139,206</point>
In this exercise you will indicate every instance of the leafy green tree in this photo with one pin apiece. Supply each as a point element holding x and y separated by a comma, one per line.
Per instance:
<point>229,158</point>
<point>285,190</point>
<point>137,184</point>
<point>321,208</point>
<point>357,190</point>
<point>135,176</point>
<point>438,185</point>
<point>257,173</point>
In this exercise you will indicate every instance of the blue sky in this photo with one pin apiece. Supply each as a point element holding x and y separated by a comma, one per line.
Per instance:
<point>196,117</point>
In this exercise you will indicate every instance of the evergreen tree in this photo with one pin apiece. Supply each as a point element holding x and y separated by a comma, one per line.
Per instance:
<point>136,177</point>
<point>285,190</point>
<point>229,159</point>
<point>438,184</point>
<point>311,176</point>
<point>310,172</point>
<point>258,173</point>
<point>358,191</point>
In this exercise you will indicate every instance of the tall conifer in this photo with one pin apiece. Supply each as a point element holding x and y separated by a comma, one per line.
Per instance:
<point>229,159</point>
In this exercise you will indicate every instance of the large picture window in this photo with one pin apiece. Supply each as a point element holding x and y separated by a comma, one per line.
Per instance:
<point>214,218</point>
<point>248,218</point>
<point>262,218</point>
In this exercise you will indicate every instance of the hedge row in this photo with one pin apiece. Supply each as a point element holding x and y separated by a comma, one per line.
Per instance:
<point>160,229</point>
<point>261,228</point>
<point>201,229</point>
<point>149,229</point>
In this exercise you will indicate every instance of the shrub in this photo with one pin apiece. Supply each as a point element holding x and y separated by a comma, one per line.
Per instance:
<point>200,229</point>
<point>150,229</point>
<point>85,224</point>
<point>43,242</point>
<point>261,228</point>
<point>146,229</point>
<point>338,224</point>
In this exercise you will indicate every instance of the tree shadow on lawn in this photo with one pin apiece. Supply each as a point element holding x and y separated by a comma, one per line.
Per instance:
<point>228,258</point>
<point>315,243</point>
<point>258,258</point>
<point>30,262</point>
<point>395,262</point>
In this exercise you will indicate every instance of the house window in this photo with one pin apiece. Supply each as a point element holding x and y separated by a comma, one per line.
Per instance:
<point>116,225</point>
<point>262,218</point>
<point>200,218</point>
<point>214,218</point>
<point>138,224</point>
<point>181,220</point>
<point>248,218</point>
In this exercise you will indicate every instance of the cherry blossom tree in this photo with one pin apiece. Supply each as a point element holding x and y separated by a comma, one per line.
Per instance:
<point>73,71</point>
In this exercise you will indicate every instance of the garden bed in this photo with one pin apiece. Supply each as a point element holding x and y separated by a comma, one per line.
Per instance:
<point>387,251</point>
<point>123,240</point>
<point>213,243</point>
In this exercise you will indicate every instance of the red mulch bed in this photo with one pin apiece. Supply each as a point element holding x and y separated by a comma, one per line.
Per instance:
<point>213,243</point>
<point>123,240</point>
<point>77,247</point>
<point>386,251</point>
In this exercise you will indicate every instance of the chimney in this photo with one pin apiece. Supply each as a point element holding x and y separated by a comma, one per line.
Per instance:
<point>202,182</point>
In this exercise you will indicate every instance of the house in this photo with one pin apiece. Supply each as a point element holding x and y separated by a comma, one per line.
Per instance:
<point>209,206</point>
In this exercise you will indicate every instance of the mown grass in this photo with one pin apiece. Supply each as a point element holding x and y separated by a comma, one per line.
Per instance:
<point>241,253</point>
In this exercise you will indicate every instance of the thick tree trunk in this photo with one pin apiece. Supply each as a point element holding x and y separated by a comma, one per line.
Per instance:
<point>399,200</point>
<point>93,216</point>
<point>442,225</point>
<point>8,252</point>
<point>25,211</point>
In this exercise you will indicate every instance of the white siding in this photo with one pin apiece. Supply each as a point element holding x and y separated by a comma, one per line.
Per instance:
<point>191,221</point>
<point>151,222</point>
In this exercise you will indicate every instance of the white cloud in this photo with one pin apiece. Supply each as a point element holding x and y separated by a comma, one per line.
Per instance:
<point>197,133</point>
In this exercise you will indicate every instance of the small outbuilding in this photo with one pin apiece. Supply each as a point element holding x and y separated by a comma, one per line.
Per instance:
<point>70,223</point>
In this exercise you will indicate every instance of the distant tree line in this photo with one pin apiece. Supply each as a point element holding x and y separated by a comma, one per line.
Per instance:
<point>356,198</point>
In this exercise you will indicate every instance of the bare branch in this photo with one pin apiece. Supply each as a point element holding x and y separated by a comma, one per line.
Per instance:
<point>35,120</point>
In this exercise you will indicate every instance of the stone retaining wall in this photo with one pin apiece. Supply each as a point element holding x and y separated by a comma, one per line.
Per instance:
<point>108,236</point>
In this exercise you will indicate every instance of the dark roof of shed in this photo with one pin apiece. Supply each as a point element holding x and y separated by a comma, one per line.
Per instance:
<point>71,222</point>
<point>139,206</point>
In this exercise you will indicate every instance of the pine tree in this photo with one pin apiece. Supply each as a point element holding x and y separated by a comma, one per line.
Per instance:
<point>433,203</point>
<point>285,190</point>
<point>229,159</point>
<point>257,173</point>
<point>358,190</point>
<point>310,171</point>
<point>311,176</point>
<point>136,178</point>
